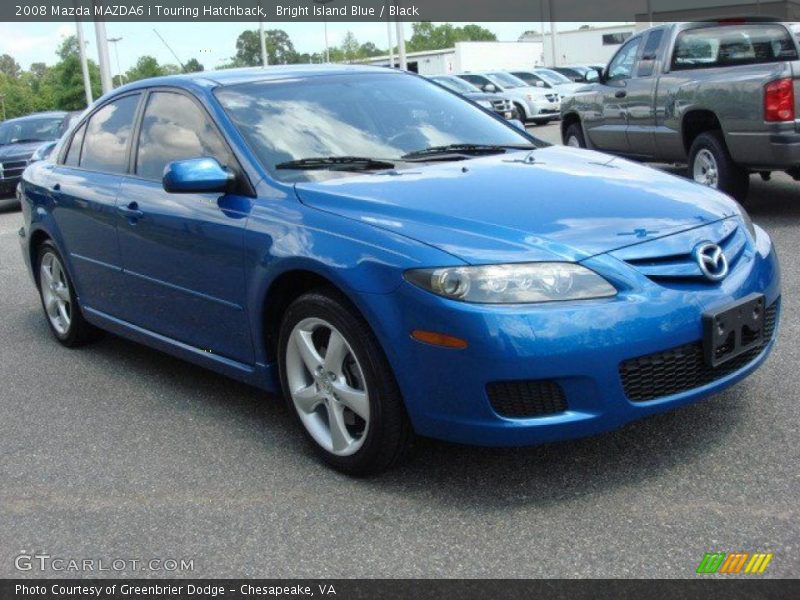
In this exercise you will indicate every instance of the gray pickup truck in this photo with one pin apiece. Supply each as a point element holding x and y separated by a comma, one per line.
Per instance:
<point>721,97</point>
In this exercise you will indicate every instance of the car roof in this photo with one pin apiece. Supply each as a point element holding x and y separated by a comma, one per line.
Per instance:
<point>55,114</point>
<point>226,77</point>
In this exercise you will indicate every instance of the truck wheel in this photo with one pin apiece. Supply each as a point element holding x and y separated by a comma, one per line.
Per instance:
<point>711,164</point>
<point>574,136</point>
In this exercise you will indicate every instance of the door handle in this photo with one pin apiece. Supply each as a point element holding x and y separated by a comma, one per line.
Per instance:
<point>620,94</point>
<point>131,211</point>
<point>57,187</point>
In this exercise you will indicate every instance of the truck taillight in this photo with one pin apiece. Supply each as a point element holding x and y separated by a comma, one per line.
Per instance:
<point>779,100</point>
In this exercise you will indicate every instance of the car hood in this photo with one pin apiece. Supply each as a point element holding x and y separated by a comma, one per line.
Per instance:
<point>20,151</point>
<point>561,204</point>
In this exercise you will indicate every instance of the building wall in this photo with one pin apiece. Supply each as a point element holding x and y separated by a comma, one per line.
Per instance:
<point>583,45</point>
<point>478,56</point>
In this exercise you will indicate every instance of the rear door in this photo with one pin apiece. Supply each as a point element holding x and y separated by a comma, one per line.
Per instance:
<point>183,254</point>
<point>641,90</point>
<point>85,182</point>
<point>607,127</point>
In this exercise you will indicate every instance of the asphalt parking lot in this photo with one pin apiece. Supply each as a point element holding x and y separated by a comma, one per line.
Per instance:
<point>116,451</point>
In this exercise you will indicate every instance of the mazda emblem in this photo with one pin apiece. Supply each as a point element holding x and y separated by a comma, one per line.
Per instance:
<point>711,260</point>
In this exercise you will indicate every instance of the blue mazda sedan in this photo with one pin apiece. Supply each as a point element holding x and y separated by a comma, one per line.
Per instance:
<point>395,259</point>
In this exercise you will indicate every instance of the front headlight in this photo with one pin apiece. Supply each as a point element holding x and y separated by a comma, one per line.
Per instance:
<point>484,103</point>
<point>748,222</point>
<point>513,283</point>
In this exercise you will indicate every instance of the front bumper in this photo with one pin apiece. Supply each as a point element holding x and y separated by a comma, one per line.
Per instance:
<point>578,345</point>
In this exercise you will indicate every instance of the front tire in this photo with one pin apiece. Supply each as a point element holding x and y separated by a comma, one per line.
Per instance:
<point>710,164</point>
<point>339,385</point>
<point>574,136</point>
<point>59,301</point>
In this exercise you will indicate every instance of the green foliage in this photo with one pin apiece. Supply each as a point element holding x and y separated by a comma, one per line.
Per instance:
<point>427,36</point>
<point>193,66</point>
<point>280,49</point>
<point>146,66</point>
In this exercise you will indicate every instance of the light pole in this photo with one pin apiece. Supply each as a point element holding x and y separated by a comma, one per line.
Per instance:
<point>401,44</point>
<point>102,55</point>
<point>325,22</point>
<point>391,45</point>
<point>116,55</point>
<point>87,83</point>
<point>263,41</point>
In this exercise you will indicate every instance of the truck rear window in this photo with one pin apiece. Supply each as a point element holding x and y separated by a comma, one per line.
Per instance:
<point>730,45</point>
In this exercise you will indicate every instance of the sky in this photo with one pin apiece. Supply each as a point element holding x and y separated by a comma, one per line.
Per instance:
<point>211,43</point>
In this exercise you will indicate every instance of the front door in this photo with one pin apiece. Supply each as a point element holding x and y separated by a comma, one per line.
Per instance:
<point>608,130</point>
<point>183,254</point>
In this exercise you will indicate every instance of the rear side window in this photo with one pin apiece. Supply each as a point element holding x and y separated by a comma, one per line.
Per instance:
<point>105,143</point>
<point>175,128</point>
<point>730,45</point>
<point>74,152</point>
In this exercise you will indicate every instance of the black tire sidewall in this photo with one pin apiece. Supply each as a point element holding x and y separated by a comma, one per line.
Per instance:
<point>384,443</point>
<point>732,179</point>
<point>574,130</point>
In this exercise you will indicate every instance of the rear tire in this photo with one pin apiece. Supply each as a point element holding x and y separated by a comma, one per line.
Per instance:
<point>59,300</point>
<point>710,164</point>
<point>574,136</point>
<point>347,403</point>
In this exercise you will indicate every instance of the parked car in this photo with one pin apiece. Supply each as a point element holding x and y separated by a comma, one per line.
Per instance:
<point>19,140</point>
<point>495,102</point>
<point>719,96</point>
<point>551,80</point>
<point>578,73</point>
<point>393,258</point>
<point>532,103</point>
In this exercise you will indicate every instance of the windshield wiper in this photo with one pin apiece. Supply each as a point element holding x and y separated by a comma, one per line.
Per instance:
<point>454,150</point>
<point>336,163</point>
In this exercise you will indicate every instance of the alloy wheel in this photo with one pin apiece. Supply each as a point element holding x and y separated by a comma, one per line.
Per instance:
<point>705,169</point>
<point>327,386</point>
<point>55,293</point>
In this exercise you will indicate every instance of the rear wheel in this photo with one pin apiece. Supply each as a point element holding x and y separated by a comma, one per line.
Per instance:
<point>710,164</point>
<point>59,300</point>
<point>339,385</point>
<point>574,136</point>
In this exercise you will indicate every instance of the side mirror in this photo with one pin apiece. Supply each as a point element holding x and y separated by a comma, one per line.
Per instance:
<point>490,88</point>
<point>196,175</point>
<point>43,152</point>
<point>517,123</point>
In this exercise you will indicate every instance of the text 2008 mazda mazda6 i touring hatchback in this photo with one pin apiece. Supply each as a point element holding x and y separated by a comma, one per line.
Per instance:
<point>395,258</point>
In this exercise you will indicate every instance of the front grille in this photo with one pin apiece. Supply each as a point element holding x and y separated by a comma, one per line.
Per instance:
<point>12,169</point>
<point>522,399</point>
<point>552,97</point>
<point>501,105</point>
<point>683,368</point>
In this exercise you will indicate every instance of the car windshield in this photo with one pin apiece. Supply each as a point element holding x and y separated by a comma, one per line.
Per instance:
<point>30,130</point>
<point>456,84</point>
<point>380,116</point>
<point>506,80</point>
<point>552,76</point>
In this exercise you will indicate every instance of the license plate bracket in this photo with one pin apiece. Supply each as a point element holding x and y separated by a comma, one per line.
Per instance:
<point>733,329</point>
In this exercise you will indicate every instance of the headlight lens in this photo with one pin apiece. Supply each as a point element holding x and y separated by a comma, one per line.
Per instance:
<point>748,222</point>
<point>484,103</point>
<point>513,283</point>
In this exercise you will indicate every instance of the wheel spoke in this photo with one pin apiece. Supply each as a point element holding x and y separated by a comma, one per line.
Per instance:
<point>47,276</point>
<point>62,292</point>
<point>335,354</point>
<point>62,310</point>
<point>50,304</point>
<point>355,400</point>
<point>309,354</point>
<point>340,438</point>
<point>307,398</point>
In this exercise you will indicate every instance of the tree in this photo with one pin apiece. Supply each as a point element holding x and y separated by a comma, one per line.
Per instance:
<point>66,77</point>
<point>350,46</point>
<point>146,66</point>
<point>9,67</point>
<point>427,36</point>
<point>369,49</point>
<point>280,49</point>
<point>193,66</point>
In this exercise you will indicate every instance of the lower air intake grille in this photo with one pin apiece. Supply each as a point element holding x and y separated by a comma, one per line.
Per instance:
<point>522,399</point>
<point>683,368</point>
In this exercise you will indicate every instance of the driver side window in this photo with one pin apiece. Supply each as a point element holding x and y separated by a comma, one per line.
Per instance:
<point>621,67</point>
